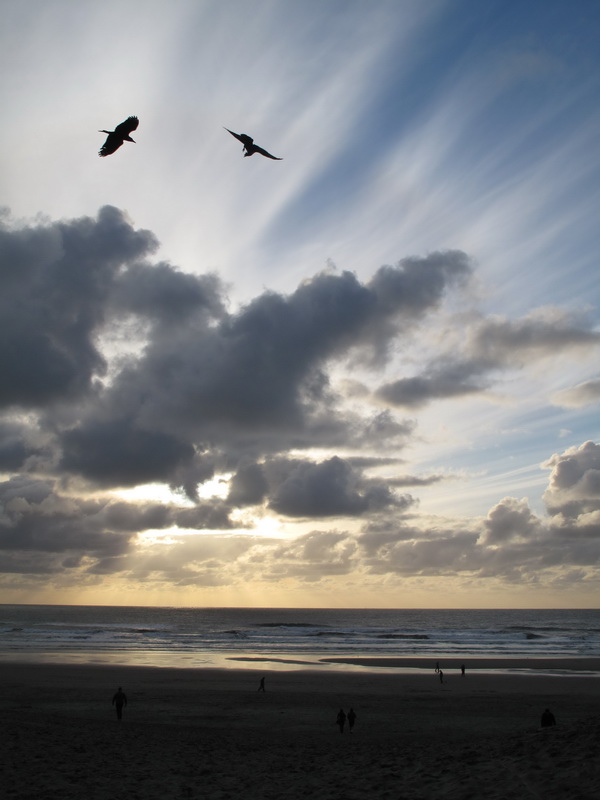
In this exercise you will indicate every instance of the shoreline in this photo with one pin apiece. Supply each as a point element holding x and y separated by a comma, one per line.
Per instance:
<point>317,662</point>
<point>476,663</point>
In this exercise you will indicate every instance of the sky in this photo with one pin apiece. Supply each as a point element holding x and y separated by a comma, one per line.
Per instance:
<point>366,375</point>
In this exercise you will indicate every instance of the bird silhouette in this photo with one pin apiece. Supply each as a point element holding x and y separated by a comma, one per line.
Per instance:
<point>115,138</point>
<point>250,147</point>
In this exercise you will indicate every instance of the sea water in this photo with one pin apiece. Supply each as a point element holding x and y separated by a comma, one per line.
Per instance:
<point>193,637</point>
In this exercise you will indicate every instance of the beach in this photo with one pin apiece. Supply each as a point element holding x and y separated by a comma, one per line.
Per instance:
<point>210,733</point>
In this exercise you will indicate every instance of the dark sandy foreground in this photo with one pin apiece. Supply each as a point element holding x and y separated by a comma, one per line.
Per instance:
<point>210,734</point>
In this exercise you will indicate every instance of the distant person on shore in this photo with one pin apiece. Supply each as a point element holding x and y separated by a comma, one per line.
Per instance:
<point>351,719</point>
<point>437,666</point>
<point>548,719</point>
<point>462,669</point>
<point>261,685</point>
<point>341,719</point>
<point>441,675</point>
<point>119,700</point>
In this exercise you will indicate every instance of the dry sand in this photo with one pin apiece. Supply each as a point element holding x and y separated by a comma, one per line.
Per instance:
<point>210,734</point>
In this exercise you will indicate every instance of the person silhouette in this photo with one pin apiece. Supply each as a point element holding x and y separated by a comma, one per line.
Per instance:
<point>548,719</point>
<point>351,719</point>
<point>119,700</point>
<point>441,676</point>
<point>341,719</point>
<point>462,669</point>
<point>261,685</point>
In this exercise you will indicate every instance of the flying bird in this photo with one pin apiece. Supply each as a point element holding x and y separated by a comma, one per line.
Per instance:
<point>249,146</point>
<point>115,138</point>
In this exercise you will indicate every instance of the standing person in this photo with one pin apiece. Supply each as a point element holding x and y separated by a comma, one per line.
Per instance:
<point>341,719</point>
<point>548,719</point>
<point>351,719</point>
<point>261,685</point>
<point>441,676</point>
<point>119,700</point>
<point>437,666</point>
<point>462,669</point>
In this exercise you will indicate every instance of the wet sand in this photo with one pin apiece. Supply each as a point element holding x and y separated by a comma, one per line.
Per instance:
<point>208,733</point>
<point>487,663</point>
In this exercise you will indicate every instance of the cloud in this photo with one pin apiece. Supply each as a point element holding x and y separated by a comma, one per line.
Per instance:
<point>510,520</point>
<point>399,481</point>
<point>442,382</point>
<point>486,346</point>
<point>120,453</point>
<point>330,488</point>
<point>574,488</point>
<point>43,532</point>
<point>583,394</point>
<point>248,486</point>
<point>56,281</point>
<point>41,526</point>
<point>334,487</point>
<point>197,381</point>
<point>167,296</point>
<point>122,372</point>
<point>512,542</point>
<point>36,521</point>
<point>316,555</point>
<point>16,445</point>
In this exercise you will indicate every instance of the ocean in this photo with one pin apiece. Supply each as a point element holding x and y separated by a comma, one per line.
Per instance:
<point>286,638</point>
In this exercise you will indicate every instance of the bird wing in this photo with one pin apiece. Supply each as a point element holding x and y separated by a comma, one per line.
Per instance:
<point>242,137</point>
<point>260,150</point>
<point>112,143</point>
<point>125,128</point>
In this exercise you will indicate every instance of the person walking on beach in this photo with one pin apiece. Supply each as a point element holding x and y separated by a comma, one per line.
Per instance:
<point>437,666</point>
<point>261,685</point>
<point>351,719</point>
<point>119,700</point>
<point>441,675</point>
<point>341,719</point>
<point>462,669</point>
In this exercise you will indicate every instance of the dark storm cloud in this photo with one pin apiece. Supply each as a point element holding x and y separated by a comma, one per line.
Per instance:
<point>488,346</point>
<point>250,382</point>
<point>56,280</point>
<point>302,488</point>
<point>248,486</point>
<point>25,490</point>
<point>166,295</point>
<point>329,488</point>
<point>119,453</point>
<point>16,446</point>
